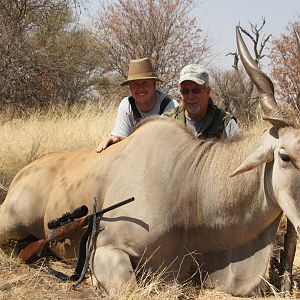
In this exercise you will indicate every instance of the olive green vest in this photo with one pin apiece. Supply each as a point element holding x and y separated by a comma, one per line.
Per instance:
<point>215,121</point>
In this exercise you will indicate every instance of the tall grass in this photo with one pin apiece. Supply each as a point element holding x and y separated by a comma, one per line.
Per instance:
<point>59,129</point>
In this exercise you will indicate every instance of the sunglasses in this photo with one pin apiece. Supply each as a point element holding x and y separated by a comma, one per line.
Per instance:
<point>194,91</point>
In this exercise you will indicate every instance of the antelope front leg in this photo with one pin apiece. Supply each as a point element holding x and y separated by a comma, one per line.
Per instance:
<point>287,258</point>
<point>112,269</point>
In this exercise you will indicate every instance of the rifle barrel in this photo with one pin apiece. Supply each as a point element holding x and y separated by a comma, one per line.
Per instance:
<point>114,206</point>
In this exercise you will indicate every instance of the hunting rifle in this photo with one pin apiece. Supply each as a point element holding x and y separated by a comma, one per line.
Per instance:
<point>64,226</point>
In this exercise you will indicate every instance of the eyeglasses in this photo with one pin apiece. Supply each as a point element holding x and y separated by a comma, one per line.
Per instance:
<point>194,91</point>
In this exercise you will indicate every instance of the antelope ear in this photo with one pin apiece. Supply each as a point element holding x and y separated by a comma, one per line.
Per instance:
<point>262,155</point>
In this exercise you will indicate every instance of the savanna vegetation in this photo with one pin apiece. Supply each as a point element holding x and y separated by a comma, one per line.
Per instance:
<point>59,92</point>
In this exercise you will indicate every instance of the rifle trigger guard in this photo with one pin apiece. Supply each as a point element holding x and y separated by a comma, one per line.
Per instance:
<point>52,244</point>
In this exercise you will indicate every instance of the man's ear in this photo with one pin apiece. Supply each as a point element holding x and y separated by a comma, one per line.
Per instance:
<point>208,90</point>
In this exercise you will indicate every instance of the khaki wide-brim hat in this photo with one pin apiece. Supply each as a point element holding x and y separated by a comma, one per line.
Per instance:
<point>140,69</point>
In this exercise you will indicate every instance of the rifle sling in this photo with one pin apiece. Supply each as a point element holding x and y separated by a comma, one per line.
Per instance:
<point>57,274</point>
<point>80,263</point>
<point>81,259</point>
<point>82,253</point>
<point>90,249</point>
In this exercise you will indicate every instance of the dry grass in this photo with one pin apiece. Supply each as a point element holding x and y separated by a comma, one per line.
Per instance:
<point>21,281</point>
<point>31,281</point>
<point>61,129</point>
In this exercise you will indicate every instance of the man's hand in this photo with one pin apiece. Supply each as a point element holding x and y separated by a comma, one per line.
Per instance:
<point>109,140</point>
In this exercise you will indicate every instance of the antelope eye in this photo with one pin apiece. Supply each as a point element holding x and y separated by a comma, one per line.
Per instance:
<point>283,155</point>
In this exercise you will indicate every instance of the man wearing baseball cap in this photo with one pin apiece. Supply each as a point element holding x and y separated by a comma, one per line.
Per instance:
<point>198,111</point>
<point>144,101</point>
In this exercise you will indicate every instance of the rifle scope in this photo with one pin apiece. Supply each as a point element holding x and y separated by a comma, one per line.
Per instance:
<point>68,217</point>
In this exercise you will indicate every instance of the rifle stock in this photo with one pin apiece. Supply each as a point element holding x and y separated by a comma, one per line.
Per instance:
<point>57,234</point>
<point>31,249</point>
<point>64,231</point>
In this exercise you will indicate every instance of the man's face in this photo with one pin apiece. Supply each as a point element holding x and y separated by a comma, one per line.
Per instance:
<point>195,98</point>
<point>143,91</point>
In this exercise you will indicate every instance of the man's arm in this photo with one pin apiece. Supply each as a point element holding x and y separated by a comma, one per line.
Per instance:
<point>122,128</point>
<point>107,141</point>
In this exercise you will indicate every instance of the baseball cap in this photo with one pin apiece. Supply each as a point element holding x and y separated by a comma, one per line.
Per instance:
<point>194,72</point>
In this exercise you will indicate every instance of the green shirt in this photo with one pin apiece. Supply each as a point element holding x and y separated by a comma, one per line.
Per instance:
<point>213,124</point>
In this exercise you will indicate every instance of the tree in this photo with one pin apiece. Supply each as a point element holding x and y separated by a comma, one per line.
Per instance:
<point>160,29</point>
<point>231,91</point>
<point>44,56</point>
<point>285,63</point>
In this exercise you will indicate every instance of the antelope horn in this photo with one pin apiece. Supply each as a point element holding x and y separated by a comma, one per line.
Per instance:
<point>298,42</point>
<point>263,84</point>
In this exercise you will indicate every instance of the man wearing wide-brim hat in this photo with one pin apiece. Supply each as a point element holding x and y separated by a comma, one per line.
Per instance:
<point>145,101</point>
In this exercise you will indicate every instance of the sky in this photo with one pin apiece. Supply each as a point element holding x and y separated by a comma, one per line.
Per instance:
<point>218,19</point>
